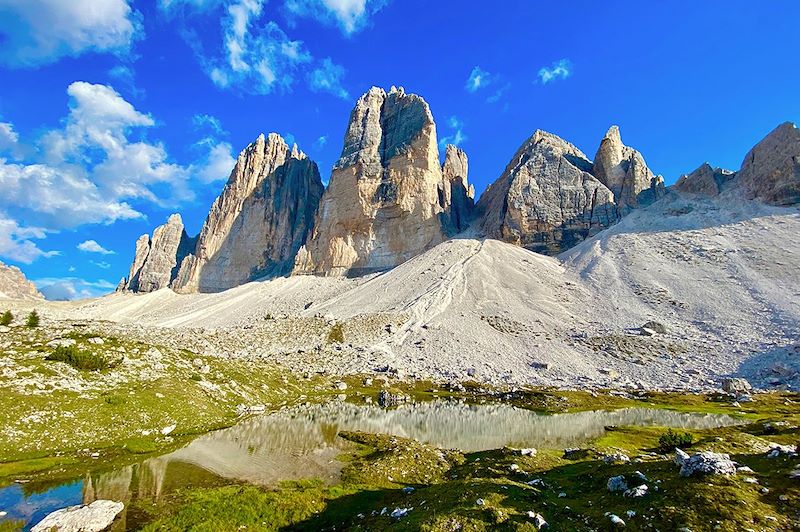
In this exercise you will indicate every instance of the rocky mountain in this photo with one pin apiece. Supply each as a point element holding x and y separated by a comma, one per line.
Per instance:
<point>458,194</point>
<point>623,170</point>
<point>769,173</point>
<point>259,221</point>
<point>156,261</point>
<point>14,284</point>
<point>546,200</point>
<point>387,200</point>
<point>706,180</point>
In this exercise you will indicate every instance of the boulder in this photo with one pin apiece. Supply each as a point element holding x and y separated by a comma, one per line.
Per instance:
<point>770,172</point>
<point>546,200</point>
<point>387,199</point>
<point>656,327</point>
<point>705,181</point>
<point>736,385</point>
<point>92,517</point>
<point>257,224</point>
<point>622,169</point>
<point>617,483</point>
<point>704,463</point>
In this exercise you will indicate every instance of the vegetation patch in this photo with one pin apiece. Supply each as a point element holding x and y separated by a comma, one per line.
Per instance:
<point>80,359</point>
<point>671,440</point>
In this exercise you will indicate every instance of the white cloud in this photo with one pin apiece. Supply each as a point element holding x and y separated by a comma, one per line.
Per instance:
<point>125,77</point>
<point>92,168</point>
<point>91,246</point>
<point>102,264</point>
<point>561,69</point>
<point>68,288</point>
<point>328,78</point>
<point>217,165</point>
<point>478,79</point>
<point>321,142</point>
<point>258,56</point>
<point>212,123</point>
<point>8,137</point>
<point>42,31</point>
<point>16,243</point>
<point>457,137</point>
<point>350,15</point>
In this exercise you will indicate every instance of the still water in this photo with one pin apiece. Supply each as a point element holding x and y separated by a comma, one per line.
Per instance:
<point>301,443</point>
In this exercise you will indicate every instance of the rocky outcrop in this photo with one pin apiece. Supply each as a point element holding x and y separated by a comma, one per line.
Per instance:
<point>771,170</point>
<point>156,261</point>
<point>14,284</point>
<point>387,200</point>
<point>546,200</point>
<point>623,171</point>
<point>260,220</point>
<point>706,181</point>
<point>93,517</point>
<point>458,196</point>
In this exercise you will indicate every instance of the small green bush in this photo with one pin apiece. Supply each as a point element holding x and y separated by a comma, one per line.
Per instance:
<point>671,440</point>
<point>6,318</point>
<point>79,359</point>
<point>33,319</point>
<point>336,334</point>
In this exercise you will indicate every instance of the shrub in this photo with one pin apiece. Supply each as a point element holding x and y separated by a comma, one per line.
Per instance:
<point>6,318</point>
<point>33,319</point>
<point>336,334</point>
<point>671,440</point>
<point>79,359</point>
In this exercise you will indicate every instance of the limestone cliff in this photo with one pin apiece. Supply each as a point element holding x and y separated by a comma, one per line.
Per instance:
<point>458,196</point>
<point>546,200</point>
<point>157,259</point>
<point>771,170</point>
<point>14,284</point>
<point>258,222</point>
<point>387,197</point>
<point>623,171</point>
<point>706,180</point>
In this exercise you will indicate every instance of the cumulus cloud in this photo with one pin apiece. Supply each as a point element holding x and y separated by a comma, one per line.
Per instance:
<point>328,78</point>
<point>477,79</point>
<point>350,16</point>
<point>69,288</point>
<point>8,137</point>
<point>457,137</point>
<point>218,164</point>
<point>93,168</point>
<point>36,32</point>
<point>91,246</point>
<point>560,69</point>
<point>16,243</point>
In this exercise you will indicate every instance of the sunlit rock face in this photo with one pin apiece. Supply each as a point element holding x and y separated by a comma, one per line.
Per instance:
<point>14,284</point>
<point>546,200</point>
<point>156,261</point>
<point>387,200</point>
<point>705,181</point>
<point>258,223</point>
<point>623,171</point>
<point>770,172</point>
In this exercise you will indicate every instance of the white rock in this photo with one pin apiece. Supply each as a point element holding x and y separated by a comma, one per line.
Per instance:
<point>93,517</point>
<point>167,430</point>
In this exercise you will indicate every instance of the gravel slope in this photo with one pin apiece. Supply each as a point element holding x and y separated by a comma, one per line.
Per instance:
<point>721,275</point>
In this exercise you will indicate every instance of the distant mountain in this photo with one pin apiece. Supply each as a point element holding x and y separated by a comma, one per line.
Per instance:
<point>390,198</point>
<point>14,284</point>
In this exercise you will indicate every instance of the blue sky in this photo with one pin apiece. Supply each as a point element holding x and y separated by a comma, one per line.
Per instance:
<point>116,113</point>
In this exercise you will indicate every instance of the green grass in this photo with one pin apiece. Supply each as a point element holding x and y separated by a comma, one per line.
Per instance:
<point>336,334</point>
<point>80,359</point>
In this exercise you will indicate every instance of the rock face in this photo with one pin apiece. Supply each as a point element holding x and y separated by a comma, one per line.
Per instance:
<point>14,284</point>
<point>546,200</point>
<point>260,220</point>
<point>771,170</point>
<point>458,196</point>
<point>92,517</point>
<point>156,261</point>
<point>387,200</point>
<point>623,171</point>
<point>706,180</point>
